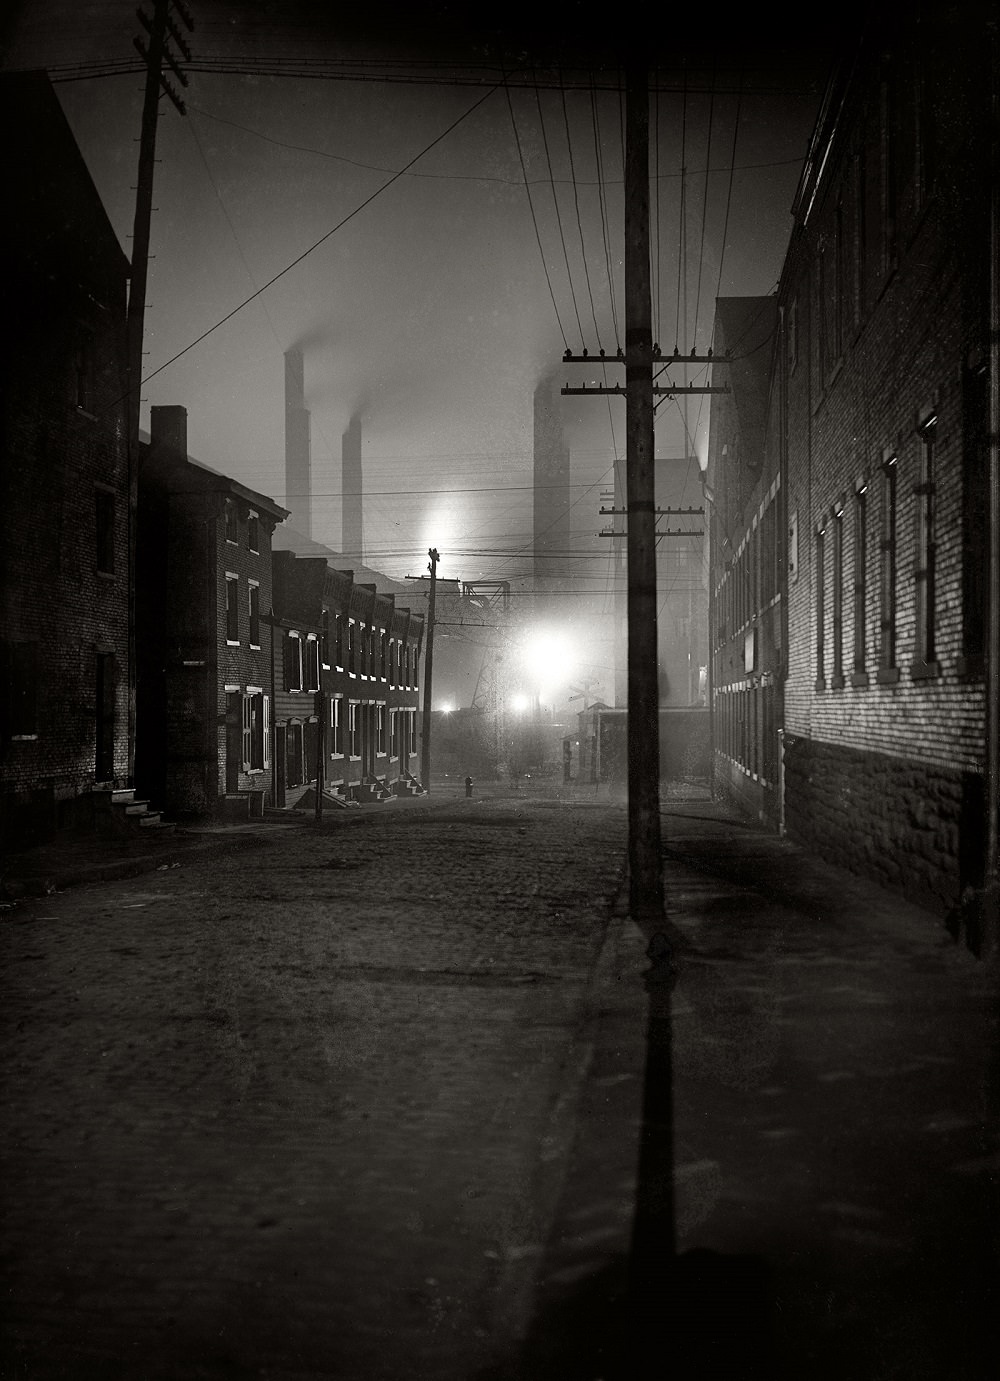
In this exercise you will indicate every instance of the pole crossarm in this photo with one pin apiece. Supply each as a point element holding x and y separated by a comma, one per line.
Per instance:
<point>675,358</point>
<point>669,390</point>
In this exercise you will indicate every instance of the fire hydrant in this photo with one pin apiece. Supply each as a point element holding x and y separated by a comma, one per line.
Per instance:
<point>468,787</point>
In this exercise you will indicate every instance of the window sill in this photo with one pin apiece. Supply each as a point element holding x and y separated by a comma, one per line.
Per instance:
<point>887,676</point>
<point>231,643</point>
<point>925,671</point>
<point>819,685</point>
<point>836,682</point>
<point>85,412</point>
<point>105,575</point>
<point>231,541</point>
<point>860,679</point>
<point>255,647</point>
<point>24,738</point>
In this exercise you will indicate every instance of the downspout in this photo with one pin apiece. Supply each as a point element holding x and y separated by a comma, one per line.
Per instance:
<point>990,931</point>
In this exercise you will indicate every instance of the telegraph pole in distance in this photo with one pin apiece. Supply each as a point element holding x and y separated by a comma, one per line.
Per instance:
<point>425,737</point>
<point>158,29</point>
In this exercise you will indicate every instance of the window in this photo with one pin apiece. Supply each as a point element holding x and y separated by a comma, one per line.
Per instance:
<point>392,662</point>
<point>20,700</point>
<point>324,642</point>
<point>353,729</point>
<point>887,583</point>
<point>352,648</point>
<point>362,642</point>
<point>311,660</point>
<point>975,516</point>
<point>860,676</point>
<point>254,614</point>
<point>336,727</point>
<point>373,651</point>
<point>293,661</point>
<point>380,740</point>
<point>83,374</point>
<point>924,565</point>
<point>256,730</point>
<point>394,733</point>
<point>383,652</point>
<point>104,520</point>
<point>820,609</point>
<point>232,608</point>
<point>837,680</point>
<point>888,176</point>
<point>231,520</point>
<point>253,532</point>
<point>792,334</point>
<point>406,656</point>
<point>793,546</point>
<point>338,640</point>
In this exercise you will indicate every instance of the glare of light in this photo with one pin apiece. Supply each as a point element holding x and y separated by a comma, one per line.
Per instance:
<point>547,654</point>
<point>447,707</point>
<point>520,703</point>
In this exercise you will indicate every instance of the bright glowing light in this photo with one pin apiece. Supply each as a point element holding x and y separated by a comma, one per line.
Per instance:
<point>447,707</point>
<point>520,703</point>
<point>547,654</point>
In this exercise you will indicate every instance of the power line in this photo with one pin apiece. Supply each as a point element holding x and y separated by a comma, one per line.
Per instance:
<point>555,202</point>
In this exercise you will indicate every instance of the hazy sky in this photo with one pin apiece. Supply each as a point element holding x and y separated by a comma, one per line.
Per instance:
<point>429,310</point>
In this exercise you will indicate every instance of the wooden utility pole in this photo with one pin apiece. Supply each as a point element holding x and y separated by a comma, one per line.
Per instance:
<point>320,750</point>
<point>645,862</point>
<point>158,29</point>
<point>425,737</point>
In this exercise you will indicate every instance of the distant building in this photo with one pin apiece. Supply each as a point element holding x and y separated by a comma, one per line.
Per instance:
<point>64,482</point>
<point>346,685</point>
<point>682,583</point>
<point>877,436</point>
<point>203,600</point>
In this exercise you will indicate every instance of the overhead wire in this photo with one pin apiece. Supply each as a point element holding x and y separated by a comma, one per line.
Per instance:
<point>579,219</point>
<point>555,202</point>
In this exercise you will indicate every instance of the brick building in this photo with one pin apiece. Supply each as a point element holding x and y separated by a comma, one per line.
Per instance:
<point>745,521</point>
<point>64,482</point>
<point>346,684</point>
<point>203,600</point>
<point>878,437</point>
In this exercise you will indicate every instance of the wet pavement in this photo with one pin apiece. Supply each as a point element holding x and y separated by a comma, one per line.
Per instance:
<point>368,1101</point>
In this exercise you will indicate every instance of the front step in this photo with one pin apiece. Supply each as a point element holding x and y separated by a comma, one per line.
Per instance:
<point>119,809</point>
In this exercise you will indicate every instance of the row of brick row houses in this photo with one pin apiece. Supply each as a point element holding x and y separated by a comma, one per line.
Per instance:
<point>255,673</point>
<point>849,479</point>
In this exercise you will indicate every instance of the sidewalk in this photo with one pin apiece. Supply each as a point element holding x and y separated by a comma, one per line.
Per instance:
<point>836,1144</point>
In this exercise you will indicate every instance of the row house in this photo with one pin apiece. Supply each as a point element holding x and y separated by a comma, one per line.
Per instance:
<point>203,605</point>
<point>878,436</point>
<point>64,491</point>
<point>346,686</point>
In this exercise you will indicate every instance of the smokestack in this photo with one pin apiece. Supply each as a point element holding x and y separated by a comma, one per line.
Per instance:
<point>551,488</point>
<point>298,456</point>
<point>352,519</point>
<point>168,429</point>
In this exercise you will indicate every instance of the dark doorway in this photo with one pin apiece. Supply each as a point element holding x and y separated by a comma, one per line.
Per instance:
<point>279,765</point>
<point>104,764</point>
<point>234,741</point>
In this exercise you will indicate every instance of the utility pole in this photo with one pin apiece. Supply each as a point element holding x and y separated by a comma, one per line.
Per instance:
<point>425,737</point>
<point>320,751</point>
<point>159,30</point>
<point>645,862</point>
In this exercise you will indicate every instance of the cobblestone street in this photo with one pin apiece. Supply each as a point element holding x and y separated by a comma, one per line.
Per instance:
<point>365,1101</point>
<point>298,1109</point>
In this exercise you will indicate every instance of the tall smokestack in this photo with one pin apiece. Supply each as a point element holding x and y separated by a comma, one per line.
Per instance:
<point>352,508</point>
<point>551,489</point>
<point>298,449</point>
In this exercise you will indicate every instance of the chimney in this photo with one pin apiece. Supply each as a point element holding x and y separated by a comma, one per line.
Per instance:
<point>298,458</point>
<point>352,521</point>
<point>168,430</point>
<point>551,487</point>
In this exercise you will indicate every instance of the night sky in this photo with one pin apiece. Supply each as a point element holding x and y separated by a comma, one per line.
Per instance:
<point>429,312</point>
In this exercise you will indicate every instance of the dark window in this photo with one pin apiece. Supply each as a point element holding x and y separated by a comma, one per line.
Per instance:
<point>311,651</point>
<point>253,532</point>
<point>337,726</point>
<point>232,608</point>
<point>83,375</point>
<point>838,599</point>
<point>820,609</point>
<point>255,731</point>
<point>21,690</point>
<point>232,522</point>
<point>293,662</point>
<point>338,638</point>
<point>975,511</point>
<point>352,635</point>
<point>924,567</point>
<point>887,583</point>
<point>383,653</point>
<point>860,578</point>
<point>255,615</point>
<point>324,648</point>
<point>104,513</point>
